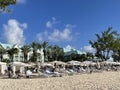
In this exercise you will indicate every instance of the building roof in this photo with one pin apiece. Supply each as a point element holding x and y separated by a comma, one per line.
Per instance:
<point>5,46</point>
<point>80,52</point>
<point>70,50</point>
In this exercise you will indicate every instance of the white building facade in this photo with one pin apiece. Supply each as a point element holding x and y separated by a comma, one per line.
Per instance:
<point>20,56</point>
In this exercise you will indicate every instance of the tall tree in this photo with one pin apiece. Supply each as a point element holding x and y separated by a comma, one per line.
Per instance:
<point>2,52</point>
<point>49,53</point>
<point>11,53</point>
<point>39,47</point>
<point>56,51</point>
<point>103,44</point>
<point>45,45</point>
<point>116,50</point>
<point>89,55</point>
<point>34,46</point>
<point>25,49</point>
<point>82,57</point>
<point>5,3</point>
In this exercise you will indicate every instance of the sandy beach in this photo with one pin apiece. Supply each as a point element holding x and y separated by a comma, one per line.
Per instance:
<point>94,81</point>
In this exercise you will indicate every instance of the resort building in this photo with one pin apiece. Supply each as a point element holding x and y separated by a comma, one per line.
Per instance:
<point>69,50</point>
<point>20,56</point>
<point>40,57</point>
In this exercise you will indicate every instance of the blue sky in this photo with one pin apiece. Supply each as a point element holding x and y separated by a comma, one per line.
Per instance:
<point>61,22</point>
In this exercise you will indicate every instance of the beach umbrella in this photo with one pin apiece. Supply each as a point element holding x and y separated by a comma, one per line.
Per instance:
<point>19,64</point>
<point>87,63</point>
<point>46,64</point>
<point>31,63</point>
<point>73,62</point>
<point>58,63</point>
<point>108,63</point>
<point>1,63</point>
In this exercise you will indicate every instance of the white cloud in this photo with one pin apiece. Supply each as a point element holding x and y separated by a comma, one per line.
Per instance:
<point>49,24</point>
<point>58,35</point>
<point>54,19</point>
<point>39,36</point>
<point>88,49</point>
<point>21,1</point>
<point>42,36</point>
<point>13,32</point>
<point>70,26</point>
<point>66,35</point>
<point>24,25</point>
<point>55,34</point>
<point>45,33</point>
<point>69,48</point>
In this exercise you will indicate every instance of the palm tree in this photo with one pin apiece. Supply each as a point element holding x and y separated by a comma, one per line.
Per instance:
<point>116,50</point>
<point>83,57</point>
<point>34,46</point>
<point>56,51</point>
<point>103,44</point>
<point>11,52</point>
<point>2,52</point>
<point>89,55</point>
<point>25,49</point>
<point>5,3</point>
<point>44,45</point>
<point>39,46</point>
<point>49,52</point>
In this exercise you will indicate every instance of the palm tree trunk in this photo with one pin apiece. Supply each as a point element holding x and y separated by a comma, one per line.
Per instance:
<point>1,57</point>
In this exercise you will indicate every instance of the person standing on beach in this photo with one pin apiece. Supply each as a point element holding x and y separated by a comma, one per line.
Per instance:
<point>9,71</point>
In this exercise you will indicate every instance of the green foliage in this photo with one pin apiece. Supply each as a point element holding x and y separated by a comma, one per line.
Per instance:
<point>25,49</point>
<point>45,45</point>
<point>89,55</point>
<point>2,52</point>
<point>56,52</point>
<point>5,3</point>
<point>76,57</point>
<point>6,60</point>
<point>11,52</point>
<point>35,46</point>
<point>104,43</point>
<point>31,58</point>
<point>116,50</point>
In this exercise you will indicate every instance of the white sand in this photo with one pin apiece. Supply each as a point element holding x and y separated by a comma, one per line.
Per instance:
<point>94,81</point>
